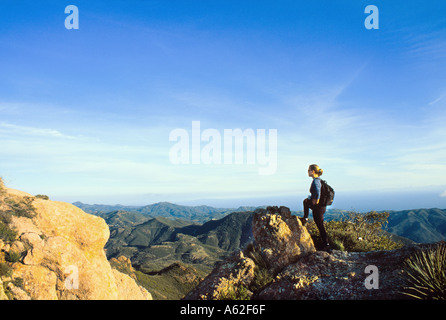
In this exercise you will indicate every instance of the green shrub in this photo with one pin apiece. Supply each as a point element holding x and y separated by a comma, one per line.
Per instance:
<point>2,187</point>
<point>13,256</point>
<point>18,282</point>
<point>6,233</point>
<point>235,292</point>
<point>21,208</point>
<point>356,232</point>
<point>262,276</point>
<point>5,270</point>
<point>426,273</point>
<point>5,217</point>
<point>11,207</point>
<point>338,244</point>
<point>42,196</point>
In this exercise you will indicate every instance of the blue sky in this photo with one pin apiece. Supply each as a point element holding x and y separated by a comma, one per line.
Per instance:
<point>86,114</point>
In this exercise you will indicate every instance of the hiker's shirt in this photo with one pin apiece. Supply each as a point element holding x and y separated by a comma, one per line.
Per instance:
<point>315,189</point>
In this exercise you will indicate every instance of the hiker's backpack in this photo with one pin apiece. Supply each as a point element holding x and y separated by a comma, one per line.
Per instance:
<point>327,194</point>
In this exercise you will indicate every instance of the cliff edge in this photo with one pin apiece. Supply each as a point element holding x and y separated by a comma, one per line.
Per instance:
<point>53,250</point>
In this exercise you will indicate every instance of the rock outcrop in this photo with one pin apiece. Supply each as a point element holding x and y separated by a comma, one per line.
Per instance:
<point>235,272</point>
<point>58,253</point>
<point>284,252</point>
<point>280,236</point>
<point>340,276</point>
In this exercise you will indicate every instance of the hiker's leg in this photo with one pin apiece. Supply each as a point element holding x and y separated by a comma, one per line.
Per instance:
<point>307,203</point>
<point>318,216</point>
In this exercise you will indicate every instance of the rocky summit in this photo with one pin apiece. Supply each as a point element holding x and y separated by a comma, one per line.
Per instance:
<point>55,251</point>
<point>283,264</point>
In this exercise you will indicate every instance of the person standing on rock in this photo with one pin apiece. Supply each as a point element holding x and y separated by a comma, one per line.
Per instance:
<point>312,202</point>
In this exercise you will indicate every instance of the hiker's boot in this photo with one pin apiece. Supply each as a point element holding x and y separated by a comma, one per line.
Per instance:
<point>303,221</point>
<point>327,248</point>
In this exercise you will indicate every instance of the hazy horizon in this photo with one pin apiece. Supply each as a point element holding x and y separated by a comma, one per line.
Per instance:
<point>344,201</point>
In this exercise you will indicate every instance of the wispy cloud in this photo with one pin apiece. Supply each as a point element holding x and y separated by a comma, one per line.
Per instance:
<point>32,131</point>
<point>440,98</point>
<point>429,46</point>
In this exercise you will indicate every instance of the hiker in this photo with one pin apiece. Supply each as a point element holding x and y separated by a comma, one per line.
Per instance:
<point>312,202</point>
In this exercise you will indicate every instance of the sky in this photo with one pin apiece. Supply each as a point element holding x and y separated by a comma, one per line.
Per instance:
<point>87,114</point>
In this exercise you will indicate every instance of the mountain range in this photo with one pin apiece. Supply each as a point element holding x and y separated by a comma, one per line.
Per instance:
<point>155,243</point>
<point>419,225</point>
<point>199,214</point>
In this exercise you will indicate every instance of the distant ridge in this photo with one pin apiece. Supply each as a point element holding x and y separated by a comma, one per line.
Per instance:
<point>200,214</point>
<point>99,208</point>
<point>419,225</point>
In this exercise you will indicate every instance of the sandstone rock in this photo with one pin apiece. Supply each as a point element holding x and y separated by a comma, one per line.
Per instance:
<point>234,272</point>
<point>63,255</point>
<point>17,246</point>
<point>18,293</point>
<point>281,237</point>
<point>32,240</point>
<point>3,295</point>
<point>38,281</point>
<point>128,289</point>
<point>124,265</point>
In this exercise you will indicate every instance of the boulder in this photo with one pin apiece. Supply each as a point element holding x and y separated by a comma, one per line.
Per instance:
<point>280,237</point>
<point>62,255</point>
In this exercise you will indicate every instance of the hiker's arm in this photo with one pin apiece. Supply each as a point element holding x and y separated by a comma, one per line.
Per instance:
<point>315,191</point>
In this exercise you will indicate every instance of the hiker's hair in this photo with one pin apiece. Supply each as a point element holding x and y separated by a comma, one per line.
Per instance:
<point>315,168</point>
